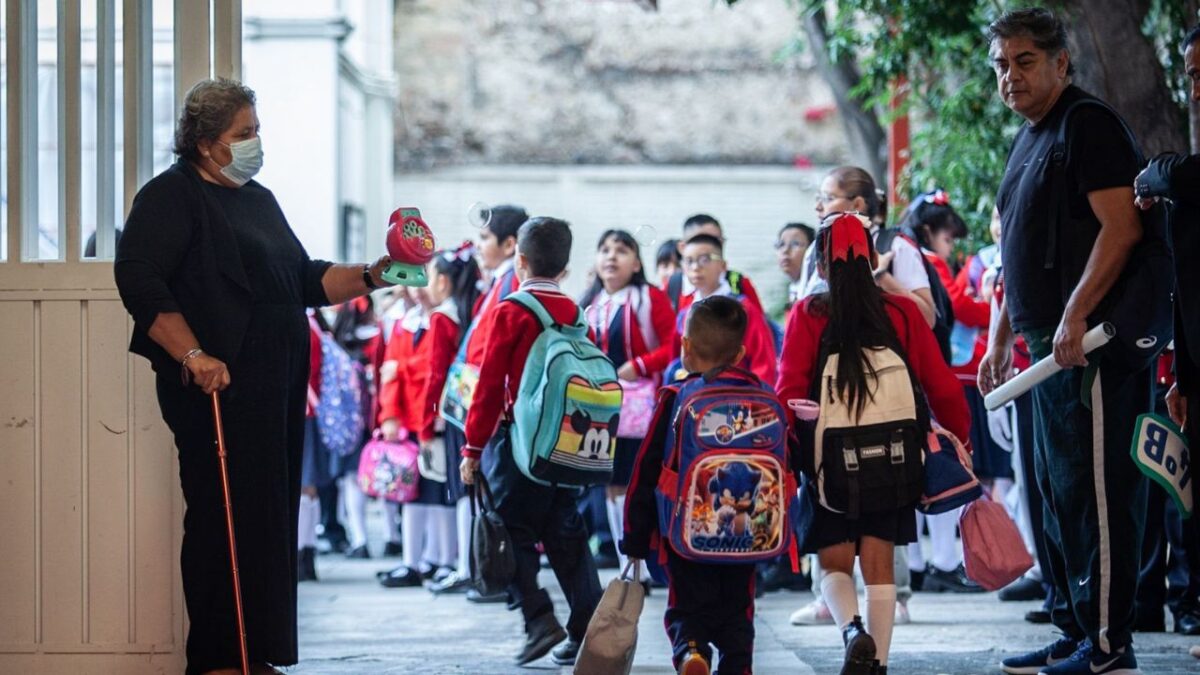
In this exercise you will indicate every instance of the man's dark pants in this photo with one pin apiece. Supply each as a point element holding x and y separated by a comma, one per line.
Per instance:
<point>1094,496</point>
<point>534,513</point>
<point>711,604</point>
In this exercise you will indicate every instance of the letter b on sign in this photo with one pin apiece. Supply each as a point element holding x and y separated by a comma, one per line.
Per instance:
<point>1156,443</point>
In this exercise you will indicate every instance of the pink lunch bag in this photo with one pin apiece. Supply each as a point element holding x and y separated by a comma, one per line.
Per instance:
<point>993,551</point>
<point>388,469</point>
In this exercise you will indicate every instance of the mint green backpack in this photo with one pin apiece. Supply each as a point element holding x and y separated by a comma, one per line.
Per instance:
<point>568,406</point>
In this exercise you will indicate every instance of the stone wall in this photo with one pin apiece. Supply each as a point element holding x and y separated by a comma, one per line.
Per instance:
<point>603,81</point>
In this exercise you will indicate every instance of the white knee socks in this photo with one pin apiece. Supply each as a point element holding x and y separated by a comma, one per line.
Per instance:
<point>881,616</point>
<point>391,514</point>
<point>446,535</point>
<point>837,589</point>
<point>310,515</point>
<point>463,513</point>
<point>416,519</point>
<point>947,552</point>
<point>356,511</point>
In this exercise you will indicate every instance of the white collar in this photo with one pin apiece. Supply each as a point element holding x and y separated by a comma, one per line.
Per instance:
<point>723,289</point>
<point>503,268</point>
<point>540,284</point>
<point>618,298</point>
<point>448,307</point>
<point>415,319</point>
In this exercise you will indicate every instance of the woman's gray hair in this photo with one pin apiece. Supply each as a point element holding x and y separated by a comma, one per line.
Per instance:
<point>208,110</point>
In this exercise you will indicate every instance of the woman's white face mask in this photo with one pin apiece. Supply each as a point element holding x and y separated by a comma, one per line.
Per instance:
<point>247,160</point>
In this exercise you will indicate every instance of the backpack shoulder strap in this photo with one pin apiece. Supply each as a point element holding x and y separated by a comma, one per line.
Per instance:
<point>675,289</point>
<point>735,281</point>
<point>1060,155</point>
<point>530,302</point>
<point>884,239</point>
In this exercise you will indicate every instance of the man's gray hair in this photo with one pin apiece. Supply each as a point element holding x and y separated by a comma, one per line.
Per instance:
<point>1040,25</point>
<point>208,110</point>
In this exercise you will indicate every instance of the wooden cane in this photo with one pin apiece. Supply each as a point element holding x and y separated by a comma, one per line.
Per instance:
<point>237,584</point>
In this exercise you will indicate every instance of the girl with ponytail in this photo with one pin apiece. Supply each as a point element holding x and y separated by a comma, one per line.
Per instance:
<point>854,315</point>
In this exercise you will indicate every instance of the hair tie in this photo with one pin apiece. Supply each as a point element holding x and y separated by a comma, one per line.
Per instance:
<point>847,238</point>
<point>938,197</point>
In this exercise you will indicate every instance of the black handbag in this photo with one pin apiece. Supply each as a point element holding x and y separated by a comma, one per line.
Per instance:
<point>493,560</point>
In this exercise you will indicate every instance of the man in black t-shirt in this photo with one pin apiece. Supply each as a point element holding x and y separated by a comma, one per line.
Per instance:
<point>1083,416</point>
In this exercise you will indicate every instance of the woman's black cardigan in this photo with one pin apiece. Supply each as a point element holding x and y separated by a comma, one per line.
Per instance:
<point>179,254</point>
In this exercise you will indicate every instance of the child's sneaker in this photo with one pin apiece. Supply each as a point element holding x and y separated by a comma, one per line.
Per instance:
<point>815,613</point>
<point>1087,660</point>
<point>694,663</point>
<point>1035,662</point>
<point>860,650</point>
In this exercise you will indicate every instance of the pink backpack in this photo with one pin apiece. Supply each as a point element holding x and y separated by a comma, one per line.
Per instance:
<point>993,551</point>
<point>388,469</point>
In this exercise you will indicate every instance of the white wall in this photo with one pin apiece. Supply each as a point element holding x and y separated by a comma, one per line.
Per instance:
<point>752,203</point>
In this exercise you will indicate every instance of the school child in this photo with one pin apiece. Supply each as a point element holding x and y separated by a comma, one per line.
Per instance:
<point>857,322</point>
<point>532,512</point>
<point>704,264</point>
<point>732,502</point>
<point>453,292</point>
<point>314,467</point>
<point>496,256</point>
<point>427,523</point>
<point>678,285</point>
<point>634,325</point>
<point>666,261</point>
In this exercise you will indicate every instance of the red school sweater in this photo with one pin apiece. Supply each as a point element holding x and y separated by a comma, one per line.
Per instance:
<point>504,356</point>
<point>504,283</point>
<point>400,398</point>
<point>802,341</point>
<point>629,343</point>
<point>442,337</point>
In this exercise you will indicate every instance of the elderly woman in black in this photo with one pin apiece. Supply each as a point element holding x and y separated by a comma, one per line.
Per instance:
<point>217,285</point>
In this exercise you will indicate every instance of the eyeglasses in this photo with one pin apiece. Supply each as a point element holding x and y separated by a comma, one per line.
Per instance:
<point>823,198</point>
<point>789,246</point>
<point>700,261</point>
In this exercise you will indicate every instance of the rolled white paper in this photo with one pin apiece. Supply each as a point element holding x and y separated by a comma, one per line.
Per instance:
<point>1038,372</point>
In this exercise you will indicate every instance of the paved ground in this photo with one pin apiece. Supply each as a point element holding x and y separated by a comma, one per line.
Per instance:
<point>349,624</point>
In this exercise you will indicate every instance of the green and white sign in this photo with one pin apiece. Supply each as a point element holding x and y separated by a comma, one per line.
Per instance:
<point>1160,450</point>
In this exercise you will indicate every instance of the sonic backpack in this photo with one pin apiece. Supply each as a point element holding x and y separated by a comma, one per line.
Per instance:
<point>568,405</point>
<point>726,489</point>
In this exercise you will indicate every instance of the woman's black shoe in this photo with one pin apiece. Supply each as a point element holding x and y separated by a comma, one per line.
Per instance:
<point>1022,590</point>
<point>479,598</point>
<point>306,564</point>
<point>392,549</point>
<point>860,649</point>
<point>359,553</point>
<point>401,577</point>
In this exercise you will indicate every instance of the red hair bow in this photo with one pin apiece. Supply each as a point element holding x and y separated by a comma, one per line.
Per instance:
<point>939,197</point>
<point>848,239</point>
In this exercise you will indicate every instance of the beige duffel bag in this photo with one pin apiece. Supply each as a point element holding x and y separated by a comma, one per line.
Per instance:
<point>611,638</point>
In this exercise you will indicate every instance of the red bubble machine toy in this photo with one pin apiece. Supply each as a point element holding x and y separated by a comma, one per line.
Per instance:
<point>411,245</point>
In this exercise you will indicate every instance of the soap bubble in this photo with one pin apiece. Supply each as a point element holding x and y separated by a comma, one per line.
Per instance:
<point>646,236</point>
<point>479,215</point>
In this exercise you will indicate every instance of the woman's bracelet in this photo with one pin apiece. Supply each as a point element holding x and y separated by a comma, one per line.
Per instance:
<point>185,375</point>
<point>368,280</point>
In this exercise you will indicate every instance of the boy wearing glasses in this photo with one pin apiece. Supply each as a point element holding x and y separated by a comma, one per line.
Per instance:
<point>704,267</point>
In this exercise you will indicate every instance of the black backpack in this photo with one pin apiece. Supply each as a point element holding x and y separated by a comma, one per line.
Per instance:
<point>493,559</point>
<point>943,325</point>
<point>1139,303</point>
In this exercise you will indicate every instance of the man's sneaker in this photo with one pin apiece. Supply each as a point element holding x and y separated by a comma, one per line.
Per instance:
<point>860,650</point>
<point>815,613</point>
<point>1088,660</point>
<point>564,654</point>
<point>954,581</point>
<point>1034,662</point>
<point>541,635</point>
<point>694,663</point>
<point>902,616</point>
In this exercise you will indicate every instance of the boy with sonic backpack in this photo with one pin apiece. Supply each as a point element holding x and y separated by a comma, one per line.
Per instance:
<point>543,422</point>
<point>712,491</point>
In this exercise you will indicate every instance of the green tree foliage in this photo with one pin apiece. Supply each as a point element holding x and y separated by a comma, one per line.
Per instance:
<point>961,130</point>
